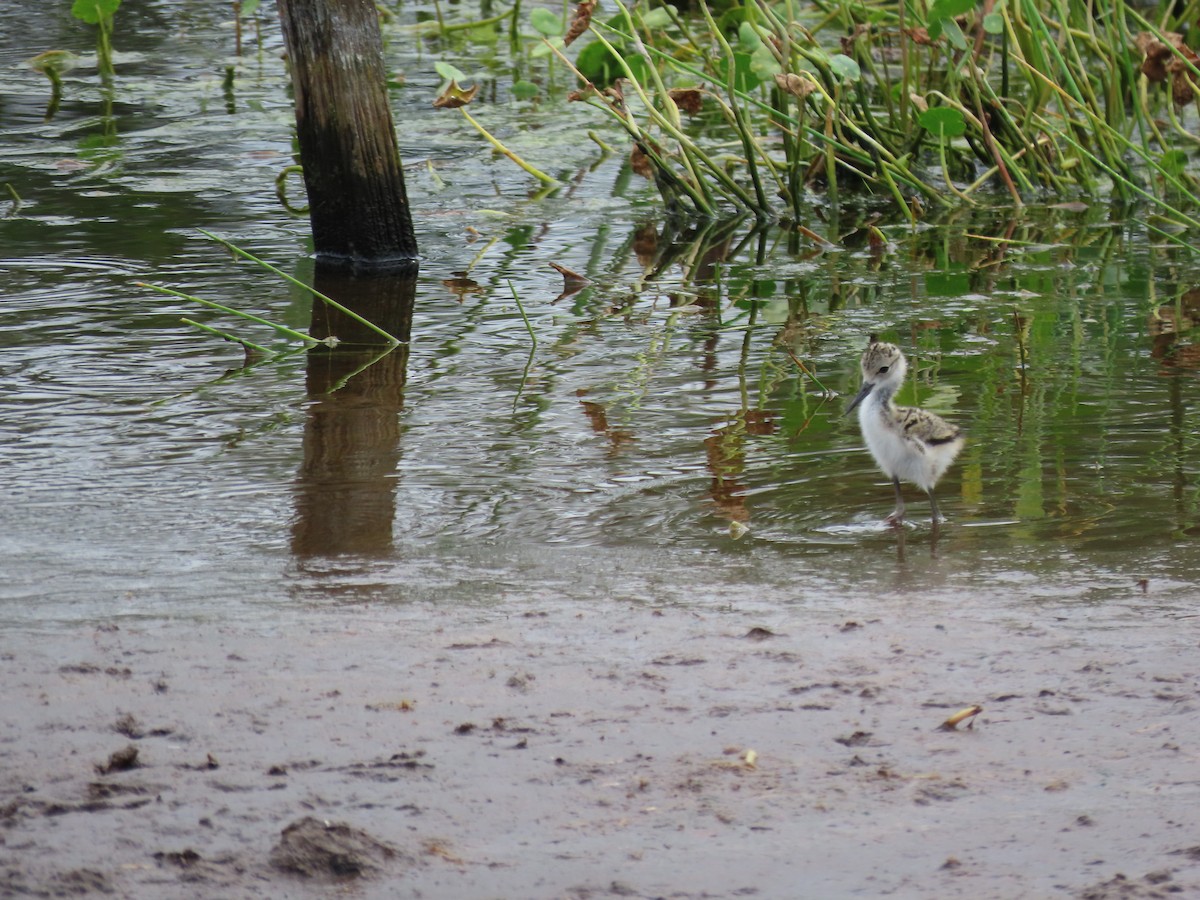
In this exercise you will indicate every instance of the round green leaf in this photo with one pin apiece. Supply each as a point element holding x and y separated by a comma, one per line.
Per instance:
<point>943,121</point>
<point>993,23</point>
<point>748,37</point>
<point>1174,162</point>
<point>92,11</point>
<point>744,77</point>
<point>731,19</point>
<point>941,17</point>
<point>954,34</point>
<point>764,64</point>
<point>449,72</point>
<point>598,65</point>
<point>658,17</point>
<point>541,50</point>
<point>948,9</point>
<point>844,67</point>
<point>546,22</point>
<point>524,90</point>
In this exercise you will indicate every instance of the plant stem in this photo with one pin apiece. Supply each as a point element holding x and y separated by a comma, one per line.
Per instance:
<point>300,284</point>
<point>521,310</point>
<point>282,329</point>
<point>536,173</point>
<point>232,338</point>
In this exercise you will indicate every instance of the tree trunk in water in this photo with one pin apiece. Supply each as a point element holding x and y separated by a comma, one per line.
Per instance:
<point>357,202</point>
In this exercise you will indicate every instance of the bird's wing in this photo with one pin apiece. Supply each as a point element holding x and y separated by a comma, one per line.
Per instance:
<point>926,429</point>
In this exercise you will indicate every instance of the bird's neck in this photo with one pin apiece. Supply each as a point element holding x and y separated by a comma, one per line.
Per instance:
<point>882,396</point>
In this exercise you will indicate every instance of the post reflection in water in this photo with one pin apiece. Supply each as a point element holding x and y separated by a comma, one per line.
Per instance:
<point>345,488</point>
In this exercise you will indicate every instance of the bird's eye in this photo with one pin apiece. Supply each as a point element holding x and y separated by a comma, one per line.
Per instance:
<point>883,370</point>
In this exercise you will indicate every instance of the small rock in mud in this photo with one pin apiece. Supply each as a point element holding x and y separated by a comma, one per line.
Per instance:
<point>520,681</point>
<point>79,669</point>
<point>758,633</point>
<point>311,848</point>
<point>858,739</point>
<point>184,859</point>
<point>120,761</point>
<point>1120,887</point>
<point>103,790</point>
<point>82,881</point>
<point>129,726</point>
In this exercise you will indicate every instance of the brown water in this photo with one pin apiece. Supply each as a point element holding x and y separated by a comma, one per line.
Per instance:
<point>147,474</point>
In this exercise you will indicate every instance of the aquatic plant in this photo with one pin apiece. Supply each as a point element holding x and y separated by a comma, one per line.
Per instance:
<point>99,13</point>
<point>54,64</point>
<point>254,350</point>
<point>245,9</point>
<point>757,105</point>
<point>453,96</point>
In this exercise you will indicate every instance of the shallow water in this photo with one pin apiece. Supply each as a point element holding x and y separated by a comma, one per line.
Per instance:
<point>148,475</point>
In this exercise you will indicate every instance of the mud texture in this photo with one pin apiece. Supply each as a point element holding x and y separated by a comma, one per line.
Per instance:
<point>548,751</point>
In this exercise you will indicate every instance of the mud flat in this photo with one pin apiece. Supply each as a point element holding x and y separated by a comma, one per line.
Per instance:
<point>533,749</point>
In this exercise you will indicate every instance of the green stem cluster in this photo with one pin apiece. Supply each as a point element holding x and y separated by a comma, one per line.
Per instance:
<point>1045,98</point>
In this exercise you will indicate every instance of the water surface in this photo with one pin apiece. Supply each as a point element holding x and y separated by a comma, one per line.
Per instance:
<point>148,473</point>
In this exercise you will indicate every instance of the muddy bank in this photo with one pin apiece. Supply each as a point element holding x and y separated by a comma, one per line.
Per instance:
<point>543,751</point>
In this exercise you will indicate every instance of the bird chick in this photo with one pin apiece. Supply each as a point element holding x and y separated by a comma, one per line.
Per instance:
<point>909,444</point>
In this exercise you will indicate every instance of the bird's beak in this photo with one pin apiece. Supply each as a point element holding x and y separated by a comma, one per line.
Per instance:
<point>862,395</point>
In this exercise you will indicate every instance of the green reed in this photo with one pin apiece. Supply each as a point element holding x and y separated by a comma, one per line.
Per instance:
<point>923,103</point>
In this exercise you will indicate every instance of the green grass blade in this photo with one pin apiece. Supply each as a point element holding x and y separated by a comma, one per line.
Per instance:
<point>391,339</point>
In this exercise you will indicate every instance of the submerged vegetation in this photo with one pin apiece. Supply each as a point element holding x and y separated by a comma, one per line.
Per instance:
<point>752,106</point>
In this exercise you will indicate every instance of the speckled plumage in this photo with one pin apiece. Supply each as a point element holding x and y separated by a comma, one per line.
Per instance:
<point>909,444</point>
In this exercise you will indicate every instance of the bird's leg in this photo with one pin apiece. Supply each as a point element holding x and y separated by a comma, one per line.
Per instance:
<point>898,516</point>
<point>937,516</point>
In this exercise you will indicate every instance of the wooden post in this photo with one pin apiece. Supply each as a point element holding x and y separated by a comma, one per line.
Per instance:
<point>357,203</point>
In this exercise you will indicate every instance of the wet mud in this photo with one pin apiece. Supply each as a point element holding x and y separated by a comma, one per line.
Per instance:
<point>550,751</point>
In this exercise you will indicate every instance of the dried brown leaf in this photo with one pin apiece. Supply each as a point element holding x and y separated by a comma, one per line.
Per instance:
<point>453,96</point>
<point>920,36</point>
<point>1162,59</point>
<point>645,244</point>
<point>1154,66</point>
<point>571,280</point>
<point>1144,41</point>
<point>796,85</point>
<point>641,163</point>
<point>1182,90</point>
<point>687,99</point>
<point>849,39</point>
<point>581,21</point>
